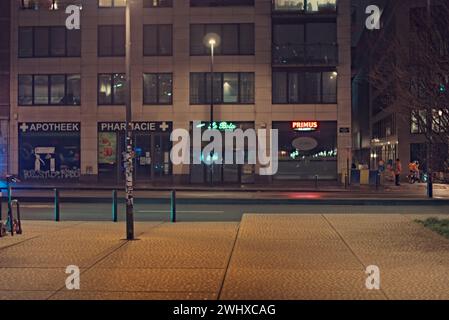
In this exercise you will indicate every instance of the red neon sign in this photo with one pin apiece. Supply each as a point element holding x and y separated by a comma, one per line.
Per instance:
<point>305,125</point>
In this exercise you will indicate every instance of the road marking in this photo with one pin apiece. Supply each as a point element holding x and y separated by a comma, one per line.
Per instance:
<point>179,211</point>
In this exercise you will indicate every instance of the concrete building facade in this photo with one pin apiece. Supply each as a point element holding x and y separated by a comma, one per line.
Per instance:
<point>67,115</point>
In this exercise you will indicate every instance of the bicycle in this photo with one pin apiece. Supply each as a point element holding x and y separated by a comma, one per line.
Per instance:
<point>11,224</point>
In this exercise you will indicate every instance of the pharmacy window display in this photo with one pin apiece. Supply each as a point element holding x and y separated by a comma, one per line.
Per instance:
<point>49,151</point>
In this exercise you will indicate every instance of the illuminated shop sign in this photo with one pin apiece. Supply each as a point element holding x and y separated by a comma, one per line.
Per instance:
<point>136,126</point>
<point>222,126</point>
<point>305,125</point>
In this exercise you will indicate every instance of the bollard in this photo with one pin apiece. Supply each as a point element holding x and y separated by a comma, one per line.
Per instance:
<point>316,181</point>
<point>57,209</point>
<point>173,207</point>
<point>429,187</point>
<point>346,181</point>
<point>114,206</point>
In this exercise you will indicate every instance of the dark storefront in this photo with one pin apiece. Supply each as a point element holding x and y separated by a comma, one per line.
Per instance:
<point>307,149</point>
<point>152,146</point>
<point>49,151</point>
<point>223,173</point>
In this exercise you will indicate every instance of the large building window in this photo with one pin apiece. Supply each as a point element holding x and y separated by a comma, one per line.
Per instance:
<point>111,41</point>
<point>236,39</point>
<point>111,3</point>
<point>306,6</point>
<point>157,3</point>
<point>220,3</point>
<point>55,89</point>
<point>158,40</point>
<point>305,43</point>
<point>304,87</point>
<point>157,88</point>
<point>112,89</point>
<point>229,88</point>
<point>49,42</point>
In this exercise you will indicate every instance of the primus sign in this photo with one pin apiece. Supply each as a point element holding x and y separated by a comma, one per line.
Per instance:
<point>230,149</point>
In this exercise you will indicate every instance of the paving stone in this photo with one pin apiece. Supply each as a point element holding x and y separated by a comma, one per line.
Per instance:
<point>25,295</point>
<point>34,279</point>
<point>96,295</point>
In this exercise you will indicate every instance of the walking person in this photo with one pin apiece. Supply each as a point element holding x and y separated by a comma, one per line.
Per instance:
<point>397,172</point>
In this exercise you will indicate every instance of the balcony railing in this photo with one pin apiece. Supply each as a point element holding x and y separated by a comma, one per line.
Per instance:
<point>46,4</point>
<point>304,6</point>
<point>305,54</point>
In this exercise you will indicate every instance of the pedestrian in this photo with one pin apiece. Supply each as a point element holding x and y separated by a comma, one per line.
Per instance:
<point>397,172</point>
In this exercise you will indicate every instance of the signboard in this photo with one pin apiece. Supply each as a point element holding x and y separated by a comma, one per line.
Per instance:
<point>305,125</point>
<point>136,126</point>
<point>107,148</point>
<point>305,143</point>
<point>345,130</point>
<point>26,127</point>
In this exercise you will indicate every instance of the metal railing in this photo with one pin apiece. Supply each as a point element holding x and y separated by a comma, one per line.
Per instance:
<point>305,54</point>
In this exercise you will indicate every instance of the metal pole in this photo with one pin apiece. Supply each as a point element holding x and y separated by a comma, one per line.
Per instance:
<point>211,107</point>
<point>114,206</point>
<point>173,206</point>
<point>316,181</point>
<point>129,170</point>
<point>57,208</point>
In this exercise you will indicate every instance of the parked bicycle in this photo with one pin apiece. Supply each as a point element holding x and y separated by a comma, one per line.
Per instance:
<point>11,224</point>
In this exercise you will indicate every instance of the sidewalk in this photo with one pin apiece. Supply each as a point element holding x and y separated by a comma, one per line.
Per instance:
<point>263,257</point>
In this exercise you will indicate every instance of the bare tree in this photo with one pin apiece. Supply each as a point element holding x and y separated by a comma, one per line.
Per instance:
<point>410,72</point>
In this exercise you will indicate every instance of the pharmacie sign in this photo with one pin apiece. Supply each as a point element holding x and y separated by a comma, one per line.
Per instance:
<point>26,127</point>
<point>136,126</point>
<point>305,125</point>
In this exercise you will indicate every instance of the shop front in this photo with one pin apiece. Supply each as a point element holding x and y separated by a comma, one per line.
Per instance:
<point>49,150</point>
<point>152,147</point>
<point>307,150</point>
<point>222,173</point>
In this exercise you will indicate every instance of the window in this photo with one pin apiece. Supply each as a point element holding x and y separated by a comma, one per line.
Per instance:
<point>111,3</point>
<point>111,41</point>
<point>307,6</point>
<point>229,88</point>
<point>304,87</point>
<point>220,3</point>
<point>313,43</point>
<point>49,42</point>
<point>55,89</point>
<point>157,88</point>
<point>111,89</point>
<point>157,40</point>
<point>236,39</point>
<point>157,3</point>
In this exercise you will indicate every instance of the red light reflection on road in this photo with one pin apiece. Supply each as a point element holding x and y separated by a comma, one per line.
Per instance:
<point>304,195</point>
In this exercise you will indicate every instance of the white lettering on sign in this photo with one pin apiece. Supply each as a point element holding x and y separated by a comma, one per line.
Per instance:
<point>49,127</point>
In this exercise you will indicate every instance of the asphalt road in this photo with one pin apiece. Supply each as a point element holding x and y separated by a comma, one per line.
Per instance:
<point>208,212</point>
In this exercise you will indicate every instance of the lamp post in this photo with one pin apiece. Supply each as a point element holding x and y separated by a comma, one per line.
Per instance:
<point>129,153</point>
<point>212,40</point>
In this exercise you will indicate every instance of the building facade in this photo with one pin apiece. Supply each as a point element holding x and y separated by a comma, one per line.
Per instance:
<point>279,64</point>
<point>381,132</point>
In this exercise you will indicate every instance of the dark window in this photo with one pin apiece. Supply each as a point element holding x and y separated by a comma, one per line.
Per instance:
<point>56,89</point>
<point>157,40</point>
<point>229,88</point>
<point>49,42</point>
<point>111,89</point>
<point>304,87</point>
<point>157,3</point>
<point>25,42</point>
<point>157,88</point>
<point>236,39</point>
<point>111,41</point>
<point>220,3</point>
<point>41,42</point>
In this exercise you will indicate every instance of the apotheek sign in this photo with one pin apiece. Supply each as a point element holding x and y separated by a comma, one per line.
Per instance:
<point>25,127</point>
<point>136,126</point>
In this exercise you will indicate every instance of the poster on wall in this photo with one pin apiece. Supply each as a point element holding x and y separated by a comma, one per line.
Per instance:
<point>107,148</point>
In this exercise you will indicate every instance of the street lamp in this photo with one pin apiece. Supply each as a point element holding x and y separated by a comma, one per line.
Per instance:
<point>212,41</point>
<point>129,153</point>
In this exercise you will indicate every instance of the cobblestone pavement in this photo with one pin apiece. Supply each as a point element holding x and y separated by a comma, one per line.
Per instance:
<point>263,257</point>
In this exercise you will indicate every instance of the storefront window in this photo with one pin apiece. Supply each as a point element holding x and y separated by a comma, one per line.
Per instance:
<point>49,151</point>
<point>307,149</point>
